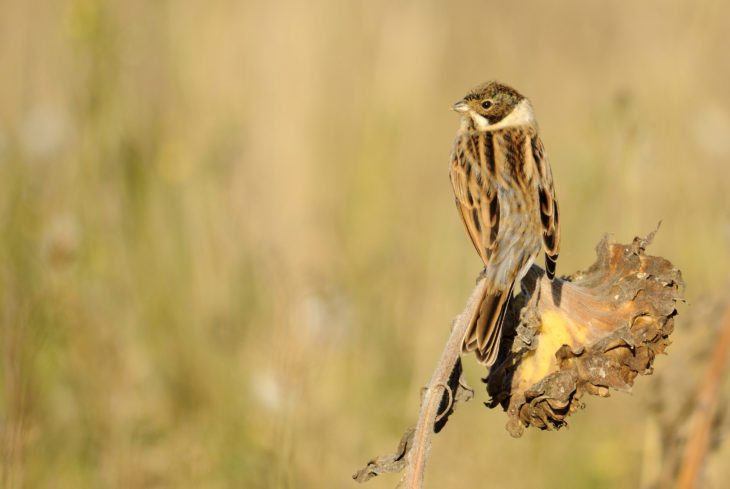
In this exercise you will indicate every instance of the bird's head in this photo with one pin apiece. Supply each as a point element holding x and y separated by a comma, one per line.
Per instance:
<point>493,105</point>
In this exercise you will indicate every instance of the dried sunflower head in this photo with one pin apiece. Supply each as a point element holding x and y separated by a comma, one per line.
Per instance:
<point>586,333</point>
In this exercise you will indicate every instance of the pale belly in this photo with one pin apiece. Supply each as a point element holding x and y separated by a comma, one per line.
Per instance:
<point>518,241</point>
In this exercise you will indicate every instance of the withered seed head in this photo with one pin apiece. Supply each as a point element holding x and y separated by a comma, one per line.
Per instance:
<point>588,333</point>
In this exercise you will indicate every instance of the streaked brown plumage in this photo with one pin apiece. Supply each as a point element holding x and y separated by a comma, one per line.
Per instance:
<point>504,193</point>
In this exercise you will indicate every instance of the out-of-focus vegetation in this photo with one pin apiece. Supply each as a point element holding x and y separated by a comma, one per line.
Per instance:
<point>228,248</point>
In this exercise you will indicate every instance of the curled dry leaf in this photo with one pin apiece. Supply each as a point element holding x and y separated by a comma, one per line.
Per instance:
<point>392,462</point>
<point>586,333</point>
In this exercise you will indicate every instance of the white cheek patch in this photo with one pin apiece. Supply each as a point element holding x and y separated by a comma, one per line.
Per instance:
<point>481,122</point>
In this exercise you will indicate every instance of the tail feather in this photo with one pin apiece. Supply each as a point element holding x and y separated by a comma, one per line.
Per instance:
<point>550,263</point>
<point>485,330</point>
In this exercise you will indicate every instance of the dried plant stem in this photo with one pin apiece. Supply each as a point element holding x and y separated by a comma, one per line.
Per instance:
<point>432,395</point>
<point>704,411</point>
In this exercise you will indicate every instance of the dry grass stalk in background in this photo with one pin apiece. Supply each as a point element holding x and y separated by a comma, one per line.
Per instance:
<point>586,333</point>
<point>705,408</point>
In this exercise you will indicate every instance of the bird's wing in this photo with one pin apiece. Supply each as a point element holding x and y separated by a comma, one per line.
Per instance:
<point>472,177</point>
<point>475,189</point>
<point>548,206</point>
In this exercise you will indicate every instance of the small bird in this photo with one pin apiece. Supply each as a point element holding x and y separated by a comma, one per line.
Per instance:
<point>504,193</point>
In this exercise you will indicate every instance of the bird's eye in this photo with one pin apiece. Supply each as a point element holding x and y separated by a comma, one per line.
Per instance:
<point>486,104</point>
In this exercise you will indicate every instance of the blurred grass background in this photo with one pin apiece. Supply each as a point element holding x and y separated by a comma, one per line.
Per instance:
<point>229,253</point>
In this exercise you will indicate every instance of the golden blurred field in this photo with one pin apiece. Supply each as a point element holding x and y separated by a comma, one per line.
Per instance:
<point>229,254</point>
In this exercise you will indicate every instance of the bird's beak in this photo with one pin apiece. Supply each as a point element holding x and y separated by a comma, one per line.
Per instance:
<point>460,106</point>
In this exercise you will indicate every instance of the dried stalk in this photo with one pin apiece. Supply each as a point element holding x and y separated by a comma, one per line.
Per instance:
<point>415,445</point>
<point>704,411</point>
<point>437,387</point>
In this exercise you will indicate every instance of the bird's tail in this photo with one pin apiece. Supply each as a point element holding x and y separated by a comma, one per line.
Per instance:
<point>485,329</point>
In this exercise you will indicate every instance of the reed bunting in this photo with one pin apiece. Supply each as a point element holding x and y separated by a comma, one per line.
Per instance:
<point>504,192</point>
